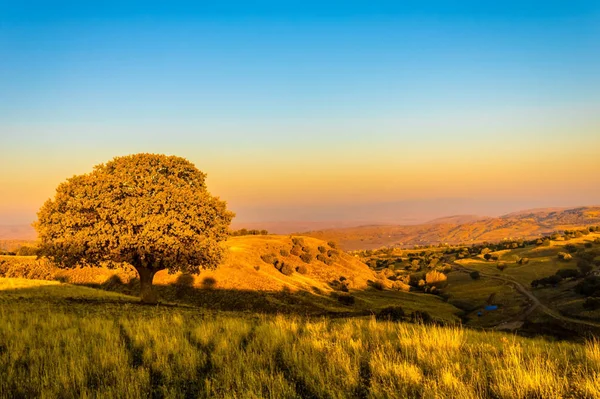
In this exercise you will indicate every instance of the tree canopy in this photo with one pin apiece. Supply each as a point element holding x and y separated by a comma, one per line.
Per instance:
<point>151,211</point>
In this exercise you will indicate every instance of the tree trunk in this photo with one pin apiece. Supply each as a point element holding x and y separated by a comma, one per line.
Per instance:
<point>147,293</point>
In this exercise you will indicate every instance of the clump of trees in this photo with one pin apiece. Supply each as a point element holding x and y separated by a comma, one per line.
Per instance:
<point>245,232</point>
<point>151,211</point>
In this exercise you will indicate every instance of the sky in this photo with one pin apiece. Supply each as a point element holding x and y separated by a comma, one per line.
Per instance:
<point>309,111</point>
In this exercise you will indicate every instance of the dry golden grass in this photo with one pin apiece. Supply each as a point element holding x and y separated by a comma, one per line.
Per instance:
<point>104,345</point>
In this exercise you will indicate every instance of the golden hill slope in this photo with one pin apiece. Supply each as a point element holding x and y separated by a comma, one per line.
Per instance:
<point>242,269</point>
<point>244,281</point>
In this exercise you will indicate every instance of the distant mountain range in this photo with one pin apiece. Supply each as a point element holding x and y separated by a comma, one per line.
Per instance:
<point>451,229</point>
<point>463,228</point>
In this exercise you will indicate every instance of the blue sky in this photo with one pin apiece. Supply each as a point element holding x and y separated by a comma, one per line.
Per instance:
<point>362,92</point>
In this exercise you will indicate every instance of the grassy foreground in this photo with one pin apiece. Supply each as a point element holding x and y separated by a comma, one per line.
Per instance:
<point>63,341</point>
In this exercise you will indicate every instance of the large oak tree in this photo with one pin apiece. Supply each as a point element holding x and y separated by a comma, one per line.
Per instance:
<point>150,211</point>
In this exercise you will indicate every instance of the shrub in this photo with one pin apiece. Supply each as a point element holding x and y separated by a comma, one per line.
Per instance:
<point>302,269</point>
<point>590,286</point>
<point>592,304</point>
<point>568,273</point>
<point>378,285</point>
<point>564,256</point>
<point>286,269</point>
<point>347,300</point>
<point>27,251</point>
<point>584,266</point>
<point>555,279</point>
<point>306,257</point>
<point>501,266</point>
<point>322,258</point>
<point>523,261</point>
<point>284,252</point>
<point>322,249</point>
<point>298,241</point>
<point>487,256</point>
<point>391,313</point>
<point>421,316</point>
<point>475,275</point>
<point>269,258</point>
<point>328,261</point>
<point>571,248</point>
<point>546,243</point>
<point>306,249</point>
<point>434,277</point>
<point>332,244</point>
<point>296,250</point>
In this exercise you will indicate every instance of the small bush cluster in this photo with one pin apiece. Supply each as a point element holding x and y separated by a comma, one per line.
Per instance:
<point>302,269</point>
<point>378,285</point>
<point>286,269</point>
<point>332,253</point>
<point>571,248</point>
<point>269,258</point>
<point>590,286</point>
<point>347,300</point>
<point>396,313</point>
<point>284,252</point>
<point>246,232</point>
<point>564,256</point>
<point>306,257</point>
<point>591,304</point>
<point>391,313</point>
<point>296,250</point>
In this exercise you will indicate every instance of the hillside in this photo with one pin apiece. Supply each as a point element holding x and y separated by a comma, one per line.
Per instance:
<point>249,279</point>
<point>455,230</point>
<point>541,286</point>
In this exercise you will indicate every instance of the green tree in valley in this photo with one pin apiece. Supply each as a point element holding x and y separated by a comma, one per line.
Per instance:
<point>151,211</point>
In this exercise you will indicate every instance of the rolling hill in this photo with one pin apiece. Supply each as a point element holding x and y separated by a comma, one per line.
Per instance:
<point>463,229</point>
<point>250,278</point>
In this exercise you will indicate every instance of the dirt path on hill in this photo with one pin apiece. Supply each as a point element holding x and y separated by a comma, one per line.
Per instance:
<point>534,302</point>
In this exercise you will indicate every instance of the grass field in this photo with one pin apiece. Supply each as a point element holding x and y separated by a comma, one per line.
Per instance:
<point>473,295</point>
<point>64,341</point>
<point>543,262</point>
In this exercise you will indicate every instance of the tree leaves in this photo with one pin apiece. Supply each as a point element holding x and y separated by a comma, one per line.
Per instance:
<point>148,210</point>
